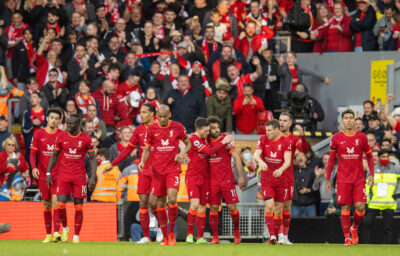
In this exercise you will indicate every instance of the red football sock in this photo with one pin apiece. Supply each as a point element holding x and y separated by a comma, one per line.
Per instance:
<point>269,220</point>
<point>358,217</point>
<point>144,221</point>
<point>78,218</point>
<point>191,220</point>
<point>47,220</point>
<point>214,223</point>
<point>201,224</point>
<point>155,213</point>
<point>235,219</point>
<point>62,213</point>
<point>172,216</point>
<point>286,222</point>
<point>163,220</point>
<point>346,222</point>
<point>56,220</point>
<point>277,223</point>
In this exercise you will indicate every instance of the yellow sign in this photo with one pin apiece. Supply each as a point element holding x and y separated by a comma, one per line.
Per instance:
<point>378,80</point>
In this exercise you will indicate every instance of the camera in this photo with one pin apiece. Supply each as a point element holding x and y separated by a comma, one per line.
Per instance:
<point>300,106</point>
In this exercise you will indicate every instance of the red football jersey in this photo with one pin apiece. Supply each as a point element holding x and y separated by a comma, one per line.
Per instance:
<point>220,163</point>
<point>198,165</point>
<point>349,150</point>
<point>295,143</point>
<point>273,152</point>
<point>72,154</point>
<point>125,89</point>
<point>165,141</point>
<point>137,138</point>
<point>44,143</point>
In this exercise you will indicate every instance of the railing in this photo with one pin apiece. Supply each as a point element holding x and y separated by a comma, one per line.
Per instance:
<point>10,113</point>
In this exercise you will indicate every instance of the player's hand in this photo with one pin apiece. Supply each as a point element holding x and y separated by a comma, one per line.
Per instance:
<point>227,139</point>
<point>92,183</point>
<point>277,173</point>
<point>328,187</point>
<point>263,166</point>
<point>300,130</point>
<point>35,173</point>
<point>179,158</point>
<point>370,181</point>
<point>141,166</point>
<point>108,169</point>
<point>49,181</point>
<point>241,182</point>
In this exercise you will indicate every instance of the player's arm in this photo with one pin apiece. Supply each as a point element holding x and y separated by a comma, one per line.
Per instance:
<point>329,167</point>
<point>181,156</point>
<point>257,157</point>
<point>239,167</point>
<point>52,163</point>
<point>145,156</point>
<point>32,161</point>
<point>287,160</point>
<point>210,150</point>
<point>122,155</point>
<point>93,168</point>
<point>302,145</point>
<point>370,160</point>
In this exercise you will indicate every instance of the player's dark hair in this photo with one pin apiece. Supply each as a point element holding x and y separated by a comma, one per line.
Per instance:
<point>56,111</point>
<point>383,151</point>
<point>348,111</point>
<point>151,107</point>
<point>368,102</point>
<point>104,152</point>
<point>274,123</point>
<point>201,123</point>
<point>213,120</point>
<point>287,114</point>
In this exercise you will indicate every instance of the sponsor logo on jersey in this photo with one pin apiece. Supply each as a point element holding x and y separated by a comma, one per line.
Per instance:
<point>350,150</point>
<point>165,142</point>
<point>272,154</point>
<point>50,147</point>
<point>72,151</point>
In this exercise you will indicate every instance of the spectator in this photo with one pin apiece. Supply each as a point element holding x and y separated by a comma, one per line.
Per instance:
<point>383,28</point>
<point>220,105</point>
<point>219,27</point>
<point>4,133</point>
<point>185,104</point>
<point>373,144</point>
<point>359,126</point>
<point>114,50</point>
<point>130,85</point>
<point>111,72</point>
<point>319,184</point>
<point>245,108</point>
<point>303,197</point>
<point>386,144</point>
<point>249,165</point>
<point>149,42</point>
<point>321,22</point>
<point>10,159</point>
<point>227,18</point>
<point>198,80</point>
<point>155,233</point>
<point>200,9</point>
<point>209,44</point>
<point>368,111</point>
<point>88,127</point>
<point>23,59</point>
<point>334,209</point>
<point>375,127</point>
<point>70,108</point>
<point>53,91</point>
<point>83,98</point>
<point>13,188</point>
<point>132,64</point>
<point>111,110</point>
<point>86,9</point>
<point>3,46</point>
<point>123,37</point>
<point>362,24</point>
<point>151,96</point>
<point>135,22</point>
<point>381,193</point>
<point>99,124</point>
<point>24,102</point>
<point>124,138</point>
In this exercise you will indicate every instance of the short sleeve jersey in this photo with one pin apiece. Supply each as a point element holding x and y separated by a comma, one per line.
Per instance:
<point>137,138</point>
<point>73,150</point>
<point>350,151</point>
<point>273,152</point>
<point>165,141</point>
<point>44,143</point>
<point>220,163</point>
<point>198,165</point>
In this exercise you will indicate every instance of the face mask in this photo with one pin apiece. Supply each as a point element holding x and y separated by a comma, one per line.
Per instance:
<point>384,161</point>
<point>247,156</point>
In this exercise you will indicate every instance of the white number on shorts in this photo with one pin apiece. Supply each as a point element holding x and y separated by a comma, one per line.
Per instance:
<point>84,190</point>
<point>285,193</point>
<point>233,191</point>
<point>176,181</point>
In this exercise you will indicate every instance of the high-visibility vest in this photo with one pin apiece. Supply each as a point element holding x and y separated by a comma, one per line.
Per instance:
<point>130,182</point>
<point>16,192</point>
<point>385,180</point>
<point>106,185</point>
<point>3,100</point>
<point>183,194</point>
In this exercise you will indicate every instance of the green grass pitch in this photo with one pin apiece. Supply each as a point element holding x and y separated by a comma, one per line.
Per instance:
<point>32,248</point>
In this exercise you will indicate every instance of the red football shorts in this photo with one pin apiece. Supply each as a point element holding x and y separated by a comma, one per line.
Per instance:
<point>279,192</point>
<point>226,189</point>
<point>76,185</point>
<point>290,192</point>
<point>349,193</point>
<point>161,183</point>
<point>198,187</point>
<point>144,184</point>
<point>45,192</point>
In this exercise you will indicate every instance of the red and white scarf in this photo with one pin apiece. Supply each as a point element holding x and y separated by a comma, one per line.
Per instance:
<point>31,55</point>
<point>174,81</point>
<point>15,33</point>
<point>82,5</point>
<point>131,3</point>
<point>160,34</point>
<point>114,13</point>
<point>206,50</point>
<point>203,76</point>
<point>83,102</point>
<point>79,62</point>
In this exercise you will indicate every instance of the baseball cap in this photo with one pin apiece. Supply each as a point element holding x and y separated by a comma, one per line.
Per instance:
<point>373,116</point>
<point>227,36</point>
<point>176,33</point>
<point>4,118</point>
<point>183,45</point>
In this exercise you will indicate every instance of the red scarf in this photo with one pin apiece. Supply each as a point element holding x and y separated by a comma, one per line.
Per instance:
<point>82,5</point>
<point>174,81</point>
<point>131,3</point>
<point>203,76</point>
<point>31,54</point>
<point>57,28</point>
<point>15,33</point>
<point>155,103</point>
<point>114,13</point>
<point>205,49</point>
<point>79,62</point>
<point>308,11</point>
<point>83,102</point>
<point>161,34</point>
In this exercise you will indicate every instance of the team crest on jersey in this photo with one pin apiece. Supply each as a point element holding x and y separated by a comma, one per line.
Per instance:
<point>50,147</point>
<point>72,151</point>
<point>165,142</point>
<point>350,150</point>
<point>171,133</point>
<point>79,144</point>
<point>279,147</point>
<point>272,154</point>
<point>356,142</point>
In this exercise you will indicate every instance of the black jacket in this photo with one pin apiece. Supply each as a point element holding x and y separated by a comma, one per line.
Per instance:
<point>365,26</point>
<point>185,109</point>
<point>268,69</point>
<point>303,178</point>
<point>59,101</point>
<point>20,63</point>
<point>74,76</point>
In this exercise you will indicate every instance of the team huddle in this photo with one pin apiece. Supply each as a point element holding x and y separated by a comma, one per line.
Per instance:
<point>58,162</point>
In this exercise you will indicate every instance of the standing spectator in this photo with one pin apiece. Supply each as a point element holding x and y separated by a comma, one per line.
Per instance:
<point>362,24</point>
<point>4,133</point>
<point>198,80</point>
<point>387,175</point>
<point>10,159</point>
<point>185,104</point>
<point>368,111</point>
<point>114,50</point>
<point>208,44</point>
<point>130,85</point>
<point>227,18</point>
<point>200,9</point>
<point>323,17</point>
<point>373,144</point>
<point>22,59</point>
<point>24,102</point>
<point>34,119</point>
<point>220,105</point>
<point>132,64</point>
<point>55,94</point>
<point>245,108</point>
<point>147,40</point>
<point>319,184</point>
<point>218,26</point>
<point>116,148</point>
<point>83,7</point>
<point>83,98</point>
<point>303,197</point>
<point>383,28</point>
<point>375,127</point>
<point>135,22</point>
<point>93,117</point>
<point>151,96</point>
